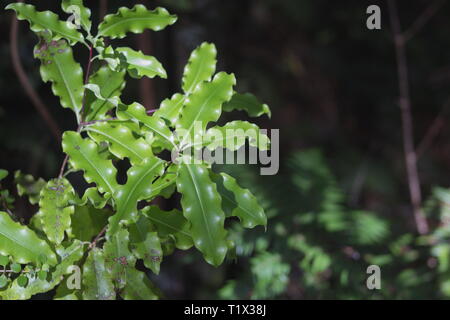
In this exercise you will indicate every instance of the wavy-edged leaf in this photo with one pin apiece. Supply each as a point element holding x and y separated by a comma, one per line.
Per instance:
<point>59,67</point>
<point>246,206</point>
<point>153,124</point>
<point>139,287</point>
<point>77,7</point>
<point>140,65</point>
<point>93,197</point>
<point>84,156</point>
<point>118,258</point>
<point>88,222</point>
<point>111,84</point>
<point>46,20</point>
<point>233,135</point>
<point>95,89</point>
<point>21,243</point>
<point>139,186</point>
<point>205,105</point>
<point>248,103</point>
<point>67,257</point>
<point>122,142</point>
<point>97,281</point>
<point>200,67</point>
<point>170,223</point>
<point>55,208</point>
<point>134,20</point>
<point>170,108</point>
<point>146,244</point>
<point>27,185</point>
<point>202,208</point>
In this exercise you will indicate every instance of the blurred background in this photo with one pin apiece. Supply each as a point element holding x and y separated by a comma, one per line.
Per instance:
<point>341,200</point>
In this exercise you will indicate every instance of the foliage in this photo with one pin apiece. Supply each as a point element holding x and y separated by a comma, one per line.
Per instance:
<point>323,249</point>
<point>112,226</point>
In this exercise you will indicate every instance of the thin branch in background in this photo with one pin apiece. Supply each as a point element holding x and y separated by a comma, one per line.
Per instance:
<point>103,9</point>
<point>407,124</point>
<point>28,88</point>
<point>422,19</point>
<point>433,130</point>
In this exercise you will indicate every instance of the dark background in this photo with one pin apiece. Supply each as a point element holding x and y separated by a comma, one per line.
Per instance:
<point>332,85</point>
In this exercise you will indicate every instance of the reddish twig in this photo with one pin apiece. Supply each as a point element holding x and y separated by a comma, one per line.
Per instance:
<point>407,124</point>
<point>94,242</point>
<point>28,88</point>
<point>86,79</point>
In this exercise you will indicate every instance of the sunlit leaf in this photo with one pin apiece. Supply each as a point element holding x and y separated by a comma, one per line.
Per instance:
<point>200,67</point>
<point>59,67</point>
<point>202,208</point>
<point>46,21</point>
<point>21,243</point>
<point>248,103</point>
<point>135,20</point>
<point>84,156</point>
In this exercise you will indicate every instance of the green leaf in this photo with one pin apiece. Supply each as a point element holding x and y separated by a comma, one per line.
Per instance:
<point>59,67</point>
<point>170,109</point>
<point>3,174</point>
<point>55,208</point>
<point>87,222</point>
<point>95,89</point>
<point>16,268</point>
<point>97,281</point>
<point>248,103</point>
<point>134,20</point>
<point>46,20</point>
<point>205,105</point>
<point>153,124</point>
<point>233,136</point>
<point>27,185</point>
<point>140,65</point>
<point>246,205</point>
<point>118,258</point>
<point>111,84</point>
<point>84,155</point>
<point>202,208</point>
<point>201,67</point>
<point>122,142</point>
<point>146,244</point>
<point>139,186</point>
<point>21,243</point>
<point>77,6</point>
<point>67,257</point>
<point>3,281</point>
<point>92,196</point>
<point>4,260</point>
<point>170,223</point>
<point>138,287</point>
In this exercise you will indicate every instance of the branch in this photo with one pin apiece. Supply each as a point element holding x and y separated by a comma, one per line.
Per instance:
<point>433,130</point>
<point>28,88</point>
<point>407,124</point>
<point>97,238</point>
<point>88,123</point>
<point>422,19</point>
